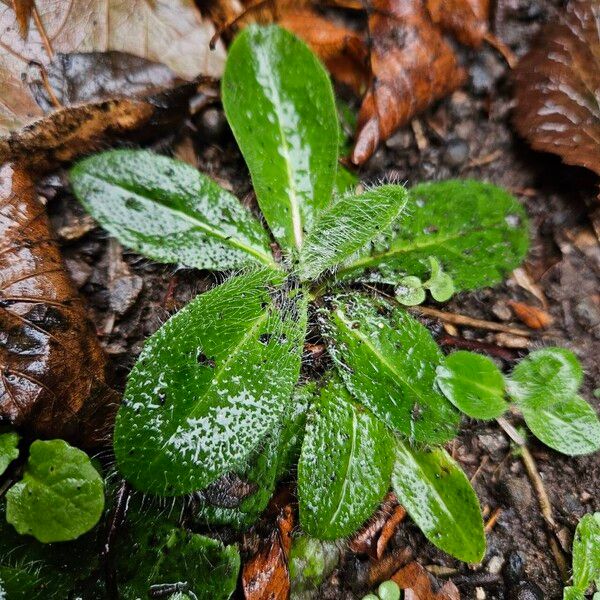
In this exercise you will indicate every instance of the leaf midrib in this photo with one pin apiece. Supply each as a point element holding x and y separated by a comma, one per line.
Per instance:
<point>227,239</point>
<point>438,497</point>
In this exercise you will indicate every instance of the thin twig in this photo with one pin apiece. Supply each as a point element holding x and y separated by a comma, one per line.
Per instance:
<point>452,341</point>
<point>493,520</point>
<point>457,319</point>
<point>541,494</point>
<point>42,31</point>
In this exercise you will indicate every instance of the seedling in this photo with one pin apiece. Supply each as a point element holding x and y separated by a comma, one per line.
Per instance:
<point>220,389</point>
<point>586,559</point>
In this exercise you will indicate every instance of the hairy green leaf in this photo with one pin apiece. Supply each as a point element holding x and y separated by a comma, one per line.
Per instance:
<point>169,211</point>
<point>570,426</point>
<point>346,225</point>
<point>345,465</point>
<point>269,463</point>
<point>61,495</point>
<point>544,377</point>
<point>286,128</point>
<point>439,498</point>
<point>345,181</point>
<point>544,386</point>
<point>476,230</point>
<point>9,449</point>
<point>586,552</point>
<point>388,360</point>
<point>473,383</point>
<point>210,384</point>
<point>155,559</point>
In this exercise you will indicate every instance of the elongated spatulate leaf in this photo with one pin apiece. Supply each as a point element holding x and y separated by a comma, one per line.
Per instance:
<point>477,231</point>
<point>439,498</point>
<point>347,225</point>
<point>210,384</point>
<point>345,465</point>
<point>388,360</point>
<point>169,211</point>
<point>279,102</point>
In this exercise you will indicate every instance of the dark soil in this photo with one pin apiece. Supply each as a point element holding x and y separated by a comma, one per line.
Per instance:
<point>468,135</point>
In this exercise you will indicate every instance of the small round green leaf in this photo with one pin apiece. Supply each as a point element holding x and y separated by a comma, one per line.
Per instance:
<point>438,496</point>
<point>439,284</point>
<point>389,590</point>
<point>8,449</point>
<point>410,291</point>
<point>61,495</point>
<point>473,383</point>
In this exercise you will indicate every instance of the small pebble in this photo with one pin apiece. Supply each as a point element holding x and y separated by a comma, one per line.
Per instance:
<point>480,593</point>
<point>456,152</point>
<point>389,590</point>
<point>482,82</point>
<point>211,124</point>
<point>513,568</point>
<point>526,591</point>
<point>495,565</point>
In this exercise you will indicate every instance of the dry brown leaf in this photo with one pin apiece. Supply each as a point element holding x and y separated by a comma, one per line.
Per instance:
<point>533,317</point>
<point>23,10</point>
<point>557,87</point>
<point>467,20</point>
<point>412,66</point>
<point>171,32</point>
<point>266,576</point>
<point>418,584</point>
<point>52,368</point>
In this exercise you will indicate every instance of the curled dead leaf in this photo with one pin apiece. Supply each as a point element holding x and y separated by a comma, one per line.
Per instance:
<point>412,66</point>
<point>418,584</point>
<point>266,576</point>
<point>557,87</point>
<point>467,20</point>
<point>52,368</point>
<point>533,317</point>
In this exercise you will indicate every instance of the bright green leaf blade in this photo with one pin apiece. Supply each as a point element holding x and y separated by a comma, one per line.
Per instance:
<point>545,377</point>
<point>571,593</point>
<point>570,426</point>
<point>9,449</point>
<point>345,465</point>
<point>473,383</point>
<point>410,291</point>
<point>388,360</point>
<point>269,463</point>
<point>279,102</point>
<point>210,385</point>
<point>439,498</point>
<point>477,231</point>
<point>586,552</point>
<point>169,211</point>
<point>152,555</point>
<point>345,181</point>
<point>346,225</point>
<point>61,495</point>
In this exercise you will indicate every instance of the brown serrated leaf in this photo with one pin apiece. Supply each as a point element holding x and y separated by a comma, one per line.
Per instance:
<point>171,32</point>
<point>52,368</point>
<point>418,584</point>
<point>557,87</point>
<point>533,317</point>
<point>412,66</point>
<point>266,576</point>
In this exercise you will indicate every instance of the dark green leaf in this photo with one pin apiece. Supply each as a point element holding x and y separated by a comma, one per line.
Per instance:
<point>345,181</point>
<point>346,225</point>
<point>152,556</point>
<point>477,231</point>
<point>9,449</point>
<point>570,426</point>
<point>345,465</point>
<point>169,211</point>
<point>388,360</point>
<point>544,377</point>
<point>269,463</point>
<point>210,385</point>
<point>61,495</point>
<point>473,383</point>
<point>439,498</point>
<point>586,552</point>
<point>279,102</point>
<point>544,386</point>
